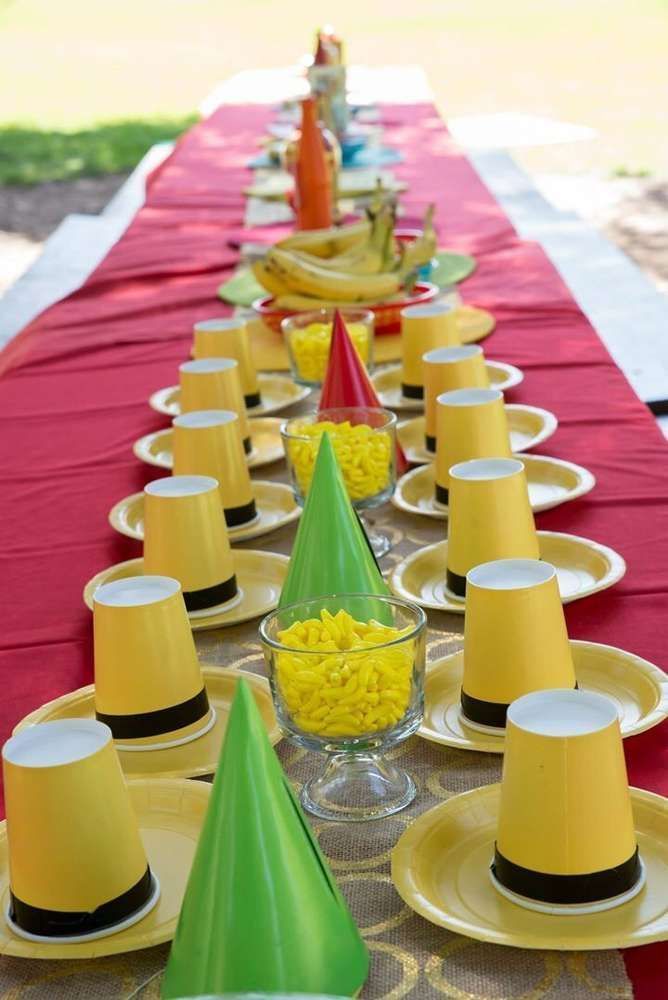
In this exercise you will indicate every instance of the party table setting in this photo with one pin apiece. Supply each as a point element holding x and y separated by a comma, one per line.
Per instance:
<point>335,565</point>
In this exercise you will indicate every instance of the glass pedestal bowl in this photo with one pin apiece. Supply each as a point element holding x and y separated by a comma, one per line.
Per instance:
<point>367,458</point>
<point>347,679</point>
<point>308,336</point>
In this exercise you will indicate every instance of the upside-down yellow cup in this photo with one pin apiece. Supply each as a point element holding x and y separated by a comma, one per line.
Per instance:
<point>470,423</point>
<point>228,338</point>
<point>208,443</point>
<point>565,836</point>
<point>148,683</point>
<point>185,537</point>
<point>444,370</point>
<point>423,328</point>
<point>214,384</point>
<point>490,517</point>
<point>77,865</point>
<point>515,638</point>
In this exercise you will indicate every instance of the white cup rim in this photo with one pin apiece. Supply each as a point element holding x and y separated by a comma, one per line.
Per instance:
<point>424,310</point>
<point>510,574</point>
<point>56,743</point>
<point>562,713</point>
<point>136,591</point>
<point>219,323</point>
<point>204,366</point>
<point>450,355</point>
<point>469,397</point>
<point>175,487</point>
<point>486,469</point>
<point>205,418</point>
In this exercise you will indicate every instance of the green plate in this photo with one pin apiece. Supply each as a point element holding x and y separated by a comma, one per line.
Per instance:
<point>451,268</point>
<point>242,289</point>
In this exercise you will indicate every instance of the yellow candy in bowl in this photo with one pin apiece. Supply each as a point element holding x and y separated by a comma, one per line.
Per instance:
<point>308,336</point>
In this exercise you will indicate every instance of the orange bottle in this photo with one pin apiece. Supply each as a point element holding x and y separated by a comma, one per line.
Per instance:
<point>313,173</point>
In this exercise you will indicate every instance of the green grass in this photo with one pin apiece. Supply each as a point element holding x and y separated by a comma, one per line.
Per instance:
<point>73,65</point>
<point>32,155</point>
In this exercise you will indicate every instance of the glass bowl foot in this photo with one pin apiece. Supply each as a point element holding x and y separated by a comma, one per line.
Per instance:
<point>378,540</point>
<point>358,786</point>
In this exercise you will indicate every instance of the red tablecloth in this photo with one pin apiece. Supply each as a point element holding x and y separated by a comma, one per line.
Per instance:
<point>74,386</point>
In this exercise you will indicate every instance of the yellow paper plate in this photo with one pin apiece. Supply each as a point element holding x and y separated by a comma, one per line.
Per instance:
<point>551,482</point>
<point>157,449</point>
<point>275,504</point>
<point>529,426</point>
<point>583,568</point>
<point>170,812</point>
<point>277,391</point>
<point>190,760</point>
<point>260,577</point>
<point>440,868</point>
<point>270,354</point>
<point>638,688</point>
<point>387,384</point>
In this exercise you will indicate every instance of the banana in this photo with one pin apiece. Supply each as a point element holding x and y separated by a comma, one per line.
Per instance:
<point>308,278</point>
<point>268,279</point>
<point>421,250</point>
<point>328,242</point>
<point>305,303</point>
<point>367,258</point>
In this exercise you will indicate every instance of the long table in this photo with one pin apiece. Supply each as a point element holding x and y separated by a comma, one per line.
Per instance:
<point>73,398</point>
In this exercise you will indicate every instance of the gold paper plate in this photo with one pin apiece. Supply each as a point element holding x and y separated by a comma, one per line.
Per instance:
<point>190,760</point>
<point>260,576</point>
<point>440,868</point>
<point>638,689</point>
<point>157,449</point>
<point>270,353</point>
<point>170,813</point>
<point>277,391</point>
<point>583,568</point>
<point>551,482</point>
<point>387,384</point>
<point>529,426</point>
<point>275,505</point>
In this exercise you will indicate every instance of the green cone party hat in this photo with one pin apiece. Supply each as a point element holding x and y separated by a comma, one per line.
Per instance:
<point>261,911</point>
<point>331,553</point>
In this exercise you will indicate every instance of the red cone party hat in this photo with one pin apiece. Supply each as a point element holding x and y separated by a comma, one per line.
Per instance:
<point>346,381</point>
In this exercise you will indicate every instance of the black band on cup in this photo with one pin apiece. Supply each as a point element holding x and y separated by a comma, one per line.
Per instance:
<point>63,924</point>
<point>430,443</point>
<point>210,597</point>
<point>455,583</point>
<point>240,515</point>
<point>442,494</point>
<point>252,399</point>
<point>412,391</point>
<point>567,889</point>
<point>486,713</point>
<point>163,720</point>
<point>248,445</point>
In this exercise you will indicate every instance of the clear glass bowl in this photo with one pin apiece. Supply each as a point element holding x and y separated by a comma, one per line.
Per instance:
<point>352,704</point>
<point>367,459</point>
<point>308,335</point>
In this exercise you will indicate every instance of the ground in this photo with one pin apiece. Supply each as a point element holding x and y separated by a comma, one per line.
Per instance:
<point>76,66</point>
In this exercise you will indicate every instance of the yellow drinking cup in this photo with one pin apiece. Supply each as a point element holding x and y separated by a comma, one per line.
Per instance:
<point>515,638</point>
<point>148,683</point>
<point>470,423</point>
<point>185,537</point>
<point>214,384</point>
<point>423,328</point>
<point>208,443</point>
<point>228,338</point>
<point>78,868</point>
<point>565,836</point>
<point>490,517</point>
<point>446,369</point>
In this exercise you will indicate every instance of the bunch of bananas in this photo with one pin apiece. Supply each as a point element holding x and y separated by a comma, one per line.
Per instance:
<point>358,264</point>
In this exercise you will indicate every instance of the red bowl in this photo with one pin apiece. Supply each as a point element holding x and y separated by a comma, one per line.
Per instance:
<point>387,315</point>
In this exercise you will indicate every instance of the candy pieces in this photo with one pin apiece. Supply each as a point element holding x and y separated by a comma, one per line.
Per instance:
<point>363,454</point>
<point>309,346</point>
<point>343,684</point>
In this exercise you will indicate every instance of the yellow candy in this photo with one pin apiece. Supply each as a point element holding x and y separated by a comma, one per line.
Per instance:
<point>363,454</point>
<point>310,348</point>
<point>345,685</point>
